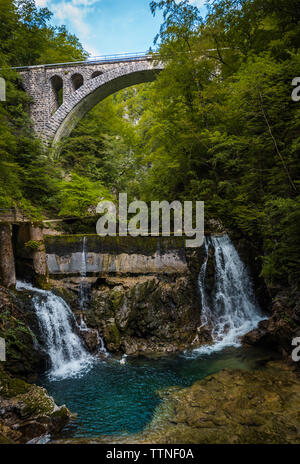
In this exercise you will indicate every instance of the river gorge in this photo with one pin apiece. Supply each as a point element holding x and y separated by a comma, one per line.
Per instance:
<point>142,339</point>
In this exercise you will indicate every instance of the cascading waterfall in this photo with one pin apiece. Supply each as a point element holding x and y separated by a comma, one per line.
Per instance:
<point>233,310</point>
<point>57,322</point>
<point>206,312</point>
<point>83,286</point>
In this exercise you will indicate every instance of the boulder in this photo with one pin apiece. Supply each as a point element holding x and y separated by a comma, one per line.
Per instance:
<point>26,411</point>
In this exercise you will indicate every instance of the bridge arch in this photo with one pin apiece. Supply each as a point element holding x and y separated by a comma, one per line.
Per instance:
<point>91,92</point>
<point>96,74</point>
<point>56,89</point>
<point>77,81</point>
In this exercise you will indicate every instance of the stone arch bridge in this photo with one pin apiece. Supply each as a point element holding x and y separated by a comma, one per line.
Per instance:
<point>63,93</point>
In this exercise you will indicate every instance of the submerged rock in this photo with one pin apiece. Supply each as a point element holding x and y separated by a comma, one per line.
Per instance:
<point>232,406</point>
<point>261,406</point>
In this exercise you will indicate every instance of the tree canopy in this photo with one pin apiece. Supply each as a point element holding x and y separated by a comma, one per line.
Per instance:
<point>217,125</point>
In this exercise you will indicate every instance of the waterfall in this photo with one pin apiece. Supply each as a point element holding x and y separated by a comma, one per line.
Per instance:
<point>206,313</point>
<point>233,310</point>
<point>84,287</point>
<point>57,323</point>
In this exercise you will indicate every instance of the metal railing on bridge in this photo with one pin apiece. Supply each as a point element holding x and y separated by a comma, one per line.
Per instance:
<point>118,58</point>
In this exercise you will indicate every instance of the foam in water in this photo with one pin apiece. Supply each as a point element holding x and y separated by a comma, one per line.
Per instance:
<point>233,310</point>
<point>57,322</point>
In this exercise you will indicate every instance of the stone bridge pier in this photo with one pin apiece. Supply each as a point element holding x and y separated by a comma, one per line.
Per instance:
<point>22,253</point>
<point>63,93</point>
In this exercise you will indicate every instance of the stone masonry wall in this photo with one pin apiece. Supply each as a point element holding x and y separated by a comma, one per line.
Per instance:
<point>76,103</point>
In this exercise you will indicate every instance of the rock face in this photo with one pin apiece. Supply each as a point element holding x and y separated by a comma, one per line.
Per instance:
<point>151,309</point>
<point>22,357</point>
<point>138,314</point>
<point>27,412</point>
<point>145,314</point>
<point>282,327</point>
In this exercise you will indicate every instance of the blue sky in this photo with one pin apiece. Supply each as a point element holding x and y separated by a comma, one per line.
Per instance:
<point>109,26</point>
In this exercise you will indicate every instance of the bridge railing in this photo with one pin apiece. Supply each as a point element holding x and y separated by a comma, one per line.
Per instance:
<point>120,57</point>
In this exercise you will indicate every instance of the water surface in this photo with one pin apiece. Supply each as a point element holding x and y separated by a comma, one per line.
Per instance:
<point>114,398</point>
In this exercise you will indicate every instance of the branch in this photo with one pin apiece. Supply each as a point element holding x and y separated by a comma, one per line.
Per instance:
<point>275,143</point>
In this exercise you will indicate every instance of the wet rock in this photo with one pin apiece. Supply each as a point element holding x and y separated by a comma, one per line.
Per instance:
<point>27,412</point>
<point>91,339</point>
<point>282,327</point>
<point>43,440</point>
<point>145,313</point>
<point>16,316</point>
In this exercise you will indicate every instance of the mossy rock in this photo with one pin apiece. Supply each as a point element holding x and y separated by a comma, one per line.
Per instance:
<point>27,411</point>
<point>16,314</point>
<point>112,336</point>
<point>10,387</point>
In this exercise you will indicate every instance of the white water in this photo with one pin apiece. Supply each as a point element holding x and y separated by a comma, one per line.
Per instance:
<point>57,322</point>
<point>123,359</point>
<point>233,311</point>
<point>206,313</point>
<point>83,258</point>
<point>83,286</point>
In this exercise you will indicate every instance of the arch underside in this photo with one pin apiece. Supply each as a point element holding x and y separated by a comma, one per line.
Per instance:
<point>95,96</point>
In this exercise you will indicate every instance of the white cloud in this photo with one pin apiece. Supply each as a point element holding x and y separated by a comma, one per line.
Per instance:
<point>93,51</point>
<point>198,3</point>
<point>74,13</point>
<point>41,3</point>
<point>84,2</point>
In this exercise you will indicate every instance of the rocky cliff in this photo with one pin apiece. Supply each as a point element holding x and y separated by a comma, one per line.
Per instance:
<point>143,312</point>
<point>26,411</point>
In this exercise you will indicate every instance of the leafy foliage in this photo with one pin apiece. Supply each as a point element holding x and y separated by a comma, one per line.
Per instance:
<point>218,124</point>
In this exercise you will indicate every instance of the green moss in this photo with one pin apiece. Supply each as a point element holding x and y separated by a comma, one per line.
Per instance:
<point>10,387</point>
<point>112,336</point>
<point>19,339</point>
<point>117,297</point>
<point>61,412</point>
<point>4,440</point>
<point>37,403</point>
<point>41,281</point>
<point>34,244</point>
